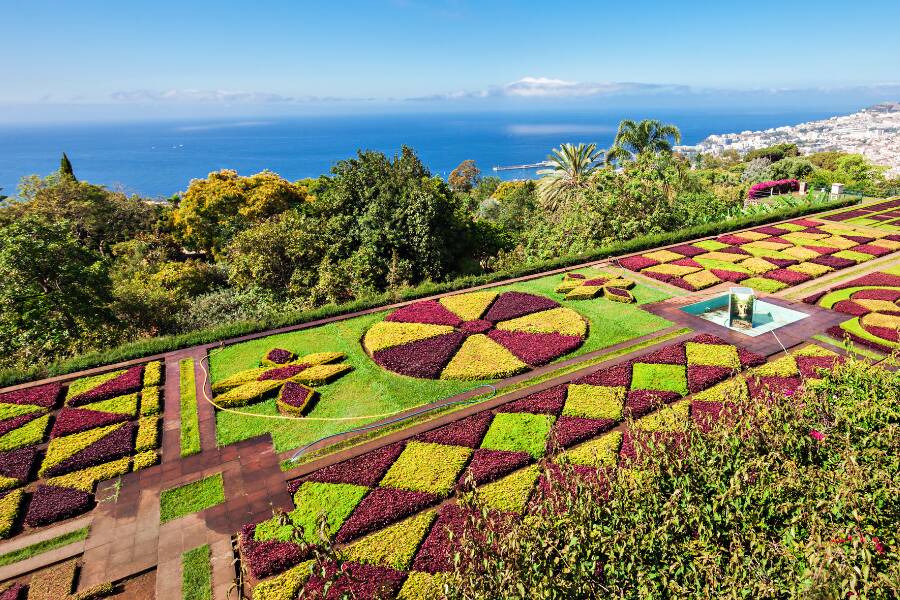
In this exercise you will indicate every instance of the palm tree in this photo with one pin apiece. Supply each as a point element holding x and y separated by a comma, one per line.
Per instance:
<point>650,135</point>
<point>570,167</point>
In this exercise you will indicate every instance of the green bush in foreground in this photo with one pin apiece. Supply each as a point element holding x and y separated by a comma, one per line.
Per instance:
<point>795,498</point>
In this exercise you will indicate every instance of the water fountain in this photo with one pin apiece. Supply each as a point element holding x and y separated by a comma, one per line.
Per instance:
<point>740,310</point>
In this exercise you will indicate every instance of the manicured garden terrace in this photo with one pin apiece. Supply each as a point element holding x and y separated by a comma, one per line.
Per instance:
<point>520,438</point>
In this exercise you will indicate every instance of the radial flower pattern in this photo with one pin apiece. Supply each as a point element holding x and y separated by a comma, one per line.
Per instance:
<point>873,302</point>
<point>479,335</point>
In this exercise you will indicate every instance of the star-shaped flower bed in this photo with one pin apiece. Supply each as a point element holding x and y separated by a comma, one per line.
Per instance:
<point>576,286</point>
<point>283,375</point>
<point>474,336</point>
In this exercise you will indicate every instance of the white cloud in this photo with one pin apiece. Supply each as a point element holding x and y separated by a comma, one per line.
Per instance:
<point>548,87</point>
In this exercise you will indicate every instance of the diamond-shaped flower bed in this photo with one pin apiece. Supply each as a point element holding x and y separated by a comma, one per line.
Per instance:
<point>475,336</point>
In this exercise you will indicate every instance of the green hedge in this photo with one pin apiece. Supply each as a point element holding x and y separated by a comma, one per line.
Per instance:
<point>158,345</point>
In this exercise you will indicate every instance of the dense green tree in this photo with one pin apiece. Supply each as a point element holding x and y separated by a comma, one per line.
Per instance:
<point>636,138</point>
<point>100,218</point>
<point>54,291</point>
<point>464,177</point>
<point>65,167</point>
<point>774,153</point>
<point>568,174</point>
<point>214,209</point>
<point>791,168</point>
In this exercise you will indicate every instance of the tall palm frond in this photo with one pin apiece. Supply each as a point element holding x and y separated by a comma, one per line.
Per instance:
<point>570,168</point>
<point>634,138</point>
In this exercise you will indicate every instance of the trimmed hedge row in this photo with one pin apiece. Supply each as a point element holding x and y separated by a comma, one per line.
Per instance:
<point>158,345</point>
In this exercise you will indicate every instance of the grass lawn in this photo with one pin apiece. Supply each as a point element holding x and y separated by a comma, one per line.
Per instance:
<point>196,579</point>
<point>370,389</point>
<point>190,426</point>
<point>45,546</point>
<point>190,498</point>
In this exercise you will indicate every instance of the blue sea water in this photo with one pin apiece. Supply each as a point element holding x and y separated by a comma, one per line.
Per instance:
<point>159,158</point>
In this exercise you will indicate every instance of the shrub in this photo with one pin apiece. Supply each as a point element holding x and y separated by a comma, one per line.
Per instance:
<point>465,432</point>
<point>321,374</point>
<point>381,507</point>
<point>30,432</point>
<point>270,557</point>
<point>716,355</point>
<point>148,434</point>
<point>153,374</point>
<point>285,586</point>
<point>50,504</point>
<point>510,305</point>
<point>190,424</point>
<point>247,393</point>
<point>431,468</point>
<point>76,420</point>
<point>386,334</point>
<point>511,493</point>
<point>294,399</point>
<point>519,432</point>
<point>10,507</point>
<point>481,358</point>
<point>366,469</point>
<point>771,188</point>
<point>422,586</point>
<point>536,348</point>
<point>16,466</point>
<point>85,479</point>
<point>470,306</point>
<point>393,546</point>
<point>277,356</point>
<point>39,395</point>
<point>764,285</point>
<point>145,459</point>
<point>353,580</point>
<point>594,402</point>
<point>426,311</point>
<point>80,450</point>
<point>11,411</point>
<point>488,465</point>
<point>601,452</point>
<point>313,500</point>
<point>102,387</point>
<point>53,583</point>
<point>150,401</point>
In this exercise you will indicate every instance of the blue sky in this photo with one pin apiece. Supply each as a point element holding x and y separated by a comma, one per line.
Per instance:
<point>191,56</point>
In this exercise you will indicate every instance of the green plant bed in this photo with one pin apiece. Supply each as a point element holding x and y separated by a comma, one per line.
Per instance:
<point>190,498</point>
<point>190,425</point>
<point>371,390</point>
<point>196,579</point>
<point>45,546</point>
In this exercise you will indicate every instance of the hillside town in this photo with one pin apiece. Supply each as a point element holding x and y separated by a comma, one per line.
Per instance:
<point>873,132</point>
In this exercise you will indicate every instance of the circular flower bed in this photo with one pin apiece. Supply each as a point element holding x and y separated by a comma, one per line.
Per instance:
<point>479,335</point>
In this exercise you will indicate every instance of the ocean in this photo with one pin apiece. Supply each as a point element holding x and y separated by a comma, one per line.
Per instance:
<point>159,158</point>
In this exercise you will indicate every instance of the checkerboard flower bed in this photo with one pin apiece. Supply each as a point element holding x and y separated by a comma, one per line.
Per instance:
<point>269,557</point>
<point>381,507</point>
<point>10,509</point>
<point>354,580</point>
<point>768,252</point>
<point>492,336</point>
<point>501,450</point>
<point>95,436</point>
